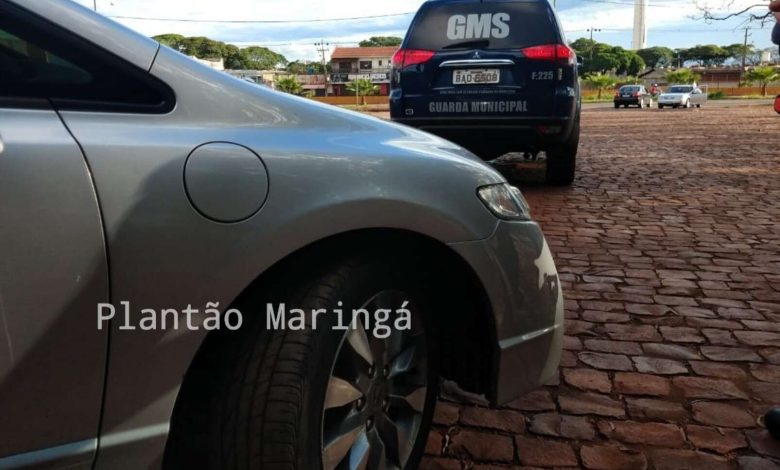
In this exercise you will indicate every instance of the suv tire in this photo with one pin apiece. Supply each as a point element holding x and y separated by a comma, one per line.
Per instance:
<point>281,398</point>
<point>562,159</point>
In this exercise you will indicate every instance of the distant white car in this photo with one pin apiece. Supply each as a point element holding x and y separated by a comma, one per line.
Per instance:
<point>685,96</point>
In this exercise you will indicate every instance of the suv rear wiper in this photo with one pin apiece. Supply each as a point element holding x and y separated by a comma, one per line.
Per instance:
<point>481,43</point>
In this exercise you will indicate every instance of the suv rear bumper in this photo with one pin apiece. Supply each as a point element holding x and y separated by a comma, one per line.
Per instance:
<point>514,134</point>
<point>518,273</point>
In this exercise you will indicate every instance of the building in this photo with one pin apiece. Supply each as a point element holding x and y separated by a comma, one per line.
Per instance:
<point>351,63</point>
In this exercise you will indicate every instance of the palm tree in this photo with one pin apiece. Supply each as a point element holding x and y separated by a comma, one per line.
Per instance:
<point>763,76</point>
<point>288,84</point>
<point>681,76</point>
<point>363,87</point>
<point>600,82</point>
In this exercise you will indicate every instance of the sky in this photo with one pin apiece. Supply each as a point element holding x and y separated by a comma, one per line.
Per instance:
<point>673,23</point>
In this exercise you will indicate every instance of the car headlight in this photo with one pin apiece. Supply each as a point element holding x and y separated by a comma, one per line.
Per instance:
<point>505,201</point>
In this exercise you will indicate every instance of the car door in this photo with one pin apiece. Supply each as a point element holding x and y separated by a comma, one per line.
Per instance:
<point>53,271</point>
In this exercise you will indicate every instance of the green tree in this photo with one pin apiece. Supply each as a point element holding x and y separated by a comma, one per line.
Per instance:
<point>681,76</point>
<point>171,40</point>
<point>600,82</point>
<point>763,75</point>
<point>626,80</point>
<point>737,51</point>
<point>601,58</point>
<point>288,84</point>
<point>305,67</point>
<point>262,58</point>
<point>379,41</point>
<point>656,56</point>
<point>708,55</point>
<point>363,87</point>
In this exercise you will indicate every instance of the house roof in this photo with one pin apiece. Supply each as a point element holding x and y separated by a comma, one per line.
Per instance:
<point>363,52</point>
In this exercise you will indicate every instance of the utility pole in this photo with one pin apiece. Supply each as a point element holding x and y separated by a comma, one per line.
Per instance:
<point>323,47</point>
<point>592,45</point>
<point>744,48</point>
<point>94,5</point>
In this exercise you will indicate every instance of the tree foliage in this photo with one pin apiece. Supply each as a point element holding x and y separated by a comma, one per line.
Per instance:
<point>763,76</point>
<point>656,56</point>
<point>600,82</point>
<point>363,87</point>
<point>380,41</point>
<point>254,57</point>
<point>602,58</point>
<point>288,84</point>
<point>707,55</point>
<point>681,76</point>
<point>306,67</point>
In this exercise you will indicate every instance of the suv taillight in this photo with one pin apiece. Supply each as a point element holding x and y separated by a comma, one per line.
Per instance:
<point>407,57</point>
<point>551,52</point>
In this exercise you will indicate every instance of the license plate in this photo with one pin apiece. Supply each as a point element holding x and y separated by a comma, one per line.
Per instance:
<point>476,76</point>
<point>626,96</point>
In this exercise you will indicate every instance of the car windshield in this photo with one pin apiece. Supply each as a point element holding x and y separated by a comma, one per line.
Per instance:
<point>681,89</point>
<point>484,25</point>
<point>629,89</point>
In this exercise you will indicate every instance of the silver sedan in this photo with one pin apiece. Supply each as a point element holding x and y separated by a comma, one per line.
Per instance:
<point>201,273</point>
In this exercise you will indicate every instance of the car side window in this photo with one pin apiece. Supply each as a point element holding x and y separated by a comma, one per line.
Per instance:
<point>41,61</point>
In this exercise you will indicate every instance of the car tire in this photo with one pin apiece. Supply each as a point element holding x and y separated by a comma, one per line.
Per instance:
<point>562,159</point>
<point>641,104</point>
<point>660,106</point>
<point>290,400</point>
<point>687,105</point>
<point>698,106</point>
<point>617,106</point>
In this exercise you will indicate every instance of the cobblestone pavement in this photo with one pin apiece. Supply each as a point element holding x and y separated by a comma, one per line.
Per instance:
<point>668,247</point>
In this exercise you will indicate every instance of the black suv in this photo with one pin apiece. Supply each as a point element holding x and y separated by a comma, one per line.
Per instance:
<point>494,76</point>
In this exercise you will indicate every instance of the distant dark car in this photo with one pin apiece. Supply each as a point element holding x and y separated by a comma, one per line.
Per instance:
<point>633,95</point>
<point>495,76</point>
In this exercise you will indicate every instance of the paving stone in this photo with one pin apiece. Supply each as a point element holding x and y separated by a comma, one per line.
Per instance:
<point>750,462</point>
<point>652,409</point>
<point>439,463</point>
<point>536,400</point>
<point>761,442</point>
<point>632,332</point>
<point>435,443</point>
<point>701,387</point>
<point>772,355</point>
<point>614,347</point>
<point>758,338</point>
<point>545,452</point>
<point>588,380</point>
<point>717,353</point>
<point>671,351</point>
<point>722,414</point>
<point>654,434</point>
<point>603,457</point>
<point>676,459</point>
<point>654,365</point>
<point>606,361</point>
<point>445,414</point>
<point>565,426</point>
<point>591,403</point>
<point>681,334</point>
<point>641,384</point>
<point>500,420</point>
<point>766,392</point>
<point>719,337</point>
<point>722,441</point>
<point>766,372</point>
<point>717,369</point>
<point>482,446</point>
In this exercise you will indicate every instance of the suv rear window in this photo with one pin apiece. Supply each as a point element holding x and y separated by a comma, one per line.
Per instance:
<point>630,89</point>
<point>488,25</point>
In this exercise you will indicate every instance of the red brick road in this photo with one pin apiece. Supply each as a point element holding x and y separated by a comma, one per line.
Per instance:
<point>668,247</point>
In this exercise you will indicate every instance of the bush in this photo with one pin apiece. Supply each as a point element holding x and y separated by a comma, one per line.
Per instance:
<point>717,95</point>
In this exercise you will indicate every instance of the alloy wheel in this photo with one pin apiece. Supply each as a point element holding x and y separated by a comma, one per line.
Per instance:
<point>376,393</point>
